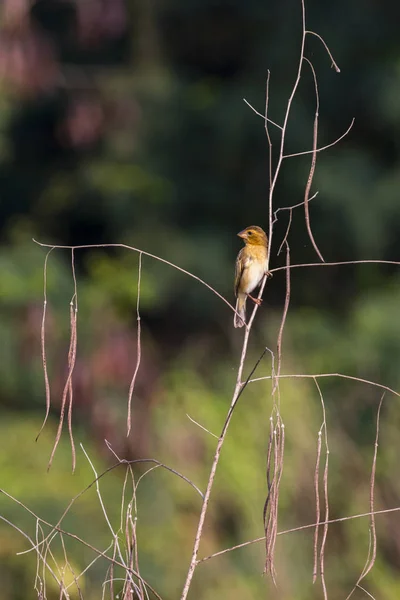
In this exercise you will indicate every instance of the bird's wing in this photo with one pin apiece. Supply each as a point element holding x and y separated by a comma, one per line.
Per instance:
<point>241,263</point>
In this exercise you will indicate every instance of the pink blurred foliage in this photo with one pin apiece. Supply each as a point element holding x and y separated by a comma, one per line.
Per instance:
<point>100,19</point>
<point>27,61</point>
<point>83,124</point>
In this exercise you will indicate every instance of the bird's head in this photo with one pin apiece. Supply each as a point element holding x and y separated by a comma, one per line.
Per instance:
<point>254,235</point>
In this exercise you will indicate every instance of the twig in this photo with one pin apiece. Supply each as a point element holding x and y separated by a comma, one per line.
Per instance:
<point>283,320</point>
<point>239,387</point>
<point>290,208</point>
<point>138,348</point>
<point>166,262</point>
<point>285,122</point>
<point>267,131</point>
<point>201,427</point>
<point>26,536</point>
<point>318,375</point>
<point>301,528</point>
<point>71,535</point>
<point>71,356</point>
<point>317,506</point>
<point>128,567</point>
<point>372,552</point>
<point>111,468</point>
<point>325,488</point>
<point>326,48</point>
<point>338,264</point>
<point>312,167</point>
<point>323,147</point>
<point>71,365</point>
<point>261,115</point>
<point>43,345</point>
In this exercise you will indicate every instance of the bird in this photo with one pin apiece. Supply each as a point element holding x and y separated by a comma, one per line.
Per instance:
<point>251,266</point>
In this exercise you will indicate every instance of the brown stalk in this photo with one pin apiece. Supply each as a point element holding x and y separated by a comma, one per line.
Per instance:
<point>373,541</point>
<point>127,567</point>
<point>269,525</point>
<point>43,345</point>
<point>323,430</point>
<point>72,536</point>
<point>326,48</point>
<point>138,348</point>
<point>236,395</point>
<point>284,126</point>
<point>163,260</point>
<point>268,469</point>
<point>322,147</point>
<point>326,525</point>
<point>267,132</point>
<point>111,468</point>
<point>320,375</point>
<point>266,119</point>
<point>71,365</point>
<point>69,566</point>
<point>300,528</point>
<point>312,167</point>
<point>133,525</point>
<point>338,264</point>
<point>272,501</point>
<point>317,507</point>
<point>71,357</point>
<point>283,321</point>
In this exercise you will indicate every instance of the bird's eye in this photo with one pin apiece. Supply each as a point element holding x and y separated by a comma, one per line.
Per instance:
<point>249,233</point>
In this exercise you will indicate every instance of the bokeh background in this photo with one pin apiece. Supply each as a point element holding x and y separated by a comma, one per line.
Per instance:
<point>124,122</point>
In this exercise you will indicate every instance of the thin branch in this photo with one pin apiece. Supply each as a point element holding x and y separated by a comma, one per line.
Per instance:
<point>326,48</point>
<point>323,147</point>
<point>317,506</point>
<point>372,495</point>
<point>239,387</point>
<point>88,566</point>
<point>373,545</point>
<point>364,590</point>
<point>26,536</point>
<point>261,115</point>
<point>138,348</point>
<point>318,375</point>
<point>325,488</point>
<point>312,167</point>
<point>71,535</point>
<point>43,345</point>
<point>71,356</point>
<point>112,467</point>
<point>338,264</point>
<point>166,262</point>
<point>290,208</point>
<point>267,130</point>
<point>284,315</point>
<point>300,528</point>
<point>201,426</point>
<point>66,391</point>
<point>285,122</point>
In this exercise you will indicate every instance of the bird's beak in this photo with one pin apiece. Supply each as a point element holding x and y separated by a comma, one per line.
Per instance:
<point>242,234</point>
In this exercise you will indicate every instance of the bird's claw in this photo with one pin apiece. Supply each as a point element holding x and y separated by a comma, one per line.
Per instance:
<point>257,301</point>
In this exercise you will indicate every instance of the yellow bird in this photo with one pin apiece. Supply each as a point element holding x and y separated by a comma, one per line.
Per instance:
<point>251,266</point>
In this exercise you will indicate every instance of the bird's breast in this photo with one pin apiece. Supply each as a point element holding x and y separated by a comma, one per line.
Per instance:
<point>252,274</point>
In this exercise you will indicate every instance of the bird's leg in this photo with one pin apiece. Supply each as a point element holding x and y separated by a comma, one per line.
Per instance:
<point>269,274</point>
<point>255,300</point>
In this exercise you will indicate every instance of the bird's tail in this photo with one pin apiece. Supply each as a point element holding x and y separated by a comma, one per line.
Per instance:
<point>239,318</point>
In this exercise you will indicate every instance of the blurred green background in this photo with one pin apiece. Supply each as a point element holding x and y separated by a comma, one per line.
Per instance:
<point>124,122</point>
